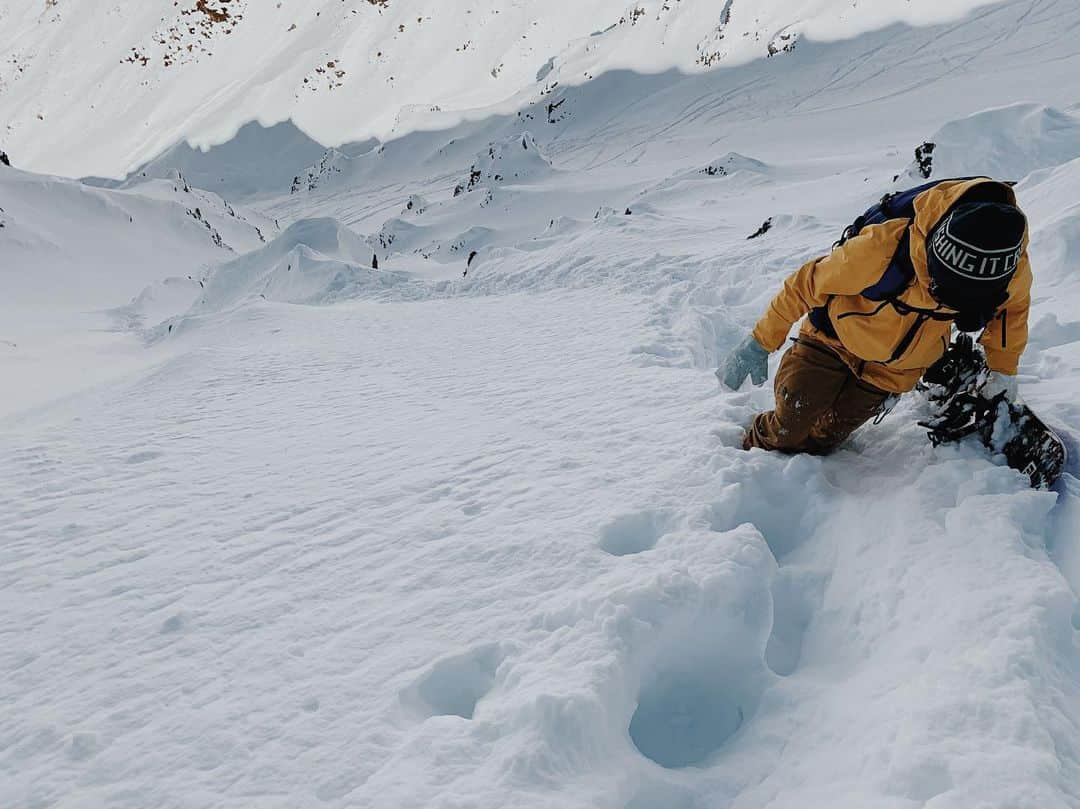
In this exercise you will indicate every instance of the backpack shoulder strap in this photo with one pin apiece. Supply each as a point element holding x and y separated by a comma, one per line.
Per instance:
<point>898,275</point>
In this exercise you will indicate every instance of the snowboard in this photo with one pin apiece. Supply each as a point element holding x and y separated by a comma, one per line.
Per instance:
<point>953,387</point>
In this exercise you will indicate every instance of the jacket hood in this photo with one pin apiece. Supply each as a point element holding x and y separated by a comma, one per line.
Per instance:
<point>931,207</point>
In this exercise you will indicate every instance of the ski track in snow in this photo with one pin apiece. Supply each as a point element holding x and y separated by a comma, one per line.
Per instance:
<point>487,541</point>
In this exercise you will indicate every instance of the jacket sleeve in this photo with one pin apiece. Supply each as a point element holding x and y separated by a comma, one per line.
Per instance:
<point>847,270</point>
<point>1006,337</point>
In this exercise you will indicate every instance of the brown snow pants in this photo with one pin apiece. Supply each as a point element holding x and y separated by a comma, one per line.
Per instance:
<point>819,403</point>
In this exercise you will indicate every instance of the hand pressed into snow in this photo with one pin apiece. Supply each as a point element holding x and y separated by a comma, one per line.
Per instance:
<point>749,359</point>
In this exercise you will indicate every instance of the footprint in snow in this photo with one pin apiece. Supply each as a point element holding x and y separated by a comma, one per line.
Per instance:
<point>454,685</point>
<point>684,716</point>
<point>784,498</point>
<point>694,701</point>
<point>796,594</point>
<point>636,532</point>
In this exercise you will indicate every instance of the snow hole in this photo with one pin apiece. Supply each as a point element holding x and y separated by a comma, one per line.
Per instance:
<point>683,717</point>
<point>703,684</point>
<point>453,686</point>
<point>796,593</point>
<point>635,533</point>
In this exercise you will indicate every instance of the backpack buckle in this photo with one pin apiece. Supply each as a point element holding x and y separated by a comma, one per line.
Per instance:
<point>887,407</point>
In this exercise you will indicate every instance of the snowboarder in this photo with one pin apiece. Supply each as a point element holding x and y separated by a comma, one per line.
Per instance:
<point>881,309</point>
<point>4,159</point>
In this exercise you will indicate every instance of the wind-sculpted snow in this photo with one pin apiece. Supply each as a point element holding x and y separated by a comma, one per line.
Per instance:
<point>313,261</point>
<point>742,170</point>
<point>74,261</point>
<point>514,161</point>
<point>161,224</point>
<point>474,528</point>
<point>1009,142</point>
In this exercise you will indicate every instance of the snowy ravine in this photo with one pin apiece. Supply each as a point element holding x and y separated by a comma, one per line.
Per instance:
<point>471,529</point>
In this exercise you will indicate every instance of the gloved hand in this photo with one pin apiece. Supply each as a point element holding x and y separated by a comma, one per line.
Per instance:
<point>998,383</point>
<point>748,359</point>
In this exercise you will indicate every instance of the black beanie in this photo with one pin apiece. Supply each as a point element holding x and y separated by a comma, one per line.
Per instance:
<point>973,253</point>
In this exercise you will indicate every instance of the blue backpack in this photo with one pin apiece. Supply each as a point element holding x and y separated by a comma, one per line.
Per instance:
<point>900,273</point>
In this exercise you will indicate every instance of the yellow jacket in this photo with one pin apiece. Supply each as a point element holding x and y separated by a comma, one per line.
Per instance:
<point>870,332</point>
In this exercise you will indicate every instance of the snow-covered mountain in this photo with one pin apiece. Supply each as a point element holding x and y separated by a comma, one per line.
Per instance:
<point>373,456</point>
<point>94,87</point>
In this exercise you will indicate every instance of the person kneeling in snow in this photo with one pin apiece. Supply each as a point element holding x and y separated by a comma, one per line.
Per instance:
<point>881,309</point>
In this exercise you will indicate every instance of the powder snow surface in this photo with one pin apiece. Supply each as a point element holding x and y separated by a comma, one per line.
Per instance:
<point>471,529</point>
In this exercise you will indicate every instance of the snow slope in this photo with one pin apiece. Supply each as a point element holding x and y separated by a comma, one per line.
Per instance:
<point>79,262</point>
<point>477,533</point>
<point>81,82</point>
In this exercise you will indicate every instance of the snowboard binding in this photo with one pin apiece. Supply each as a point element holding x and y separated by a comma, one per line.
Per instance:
<point>953,387</point>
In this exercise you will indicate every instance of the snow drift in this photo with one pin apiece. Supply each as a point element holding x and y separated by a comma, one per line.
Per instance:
<point>312,261</point>
<point>1009,142</point>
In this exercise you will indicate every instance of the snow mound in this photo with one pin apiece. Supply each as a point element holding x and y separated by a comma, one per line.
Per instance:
<point>158,301</point>
<point>731,163</point>
<point>236,227</point>
<point>324,236</point>
<point>103,246</point>
<point>398,235</point>
<point>416,205</point>
<point>70,253</point>
<point>514,160</point>
<point>353,165</point>
<point>441,243</point>
<point>314,261</point>
<point>1007,143</point>
<point>732,167</point>
<point>1049,199</point>
<point>332,163</point>
<point>462,245</point>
